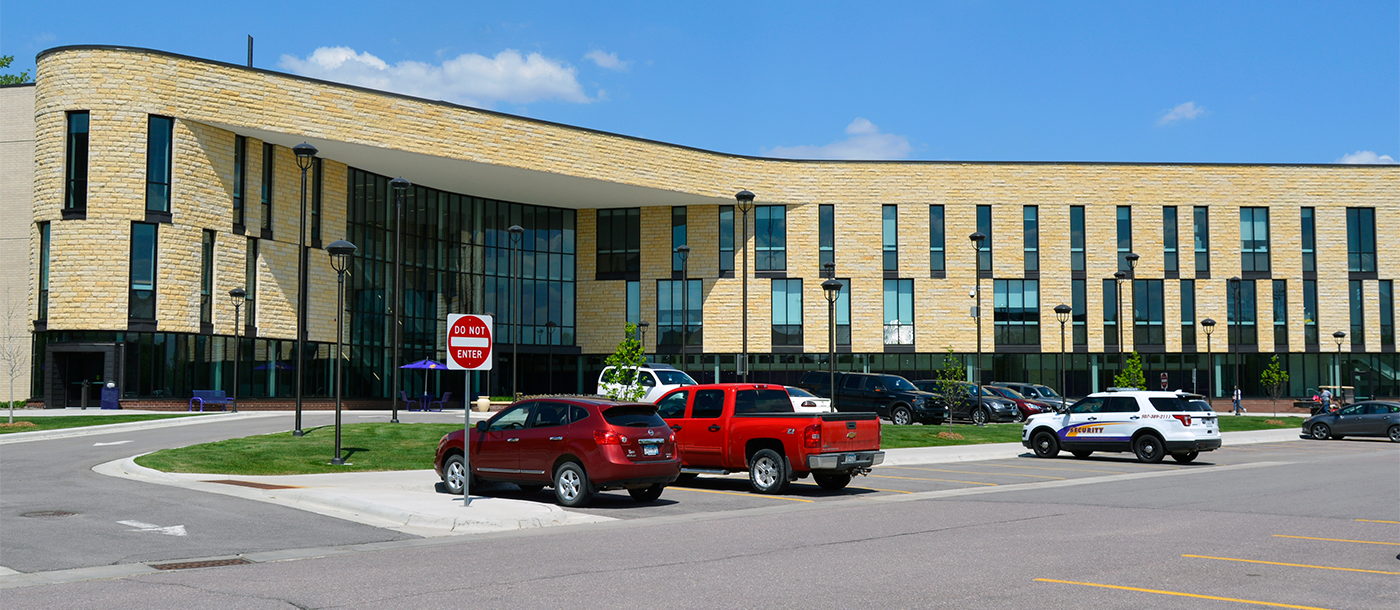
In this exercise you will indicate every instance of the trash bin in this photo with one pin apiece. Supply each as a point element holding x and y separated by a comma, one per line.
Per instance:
<point>111,396</point>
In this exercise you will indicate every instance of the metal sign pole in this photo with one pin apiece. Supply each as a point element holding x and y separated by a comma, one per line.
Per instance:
<point>467,441</point>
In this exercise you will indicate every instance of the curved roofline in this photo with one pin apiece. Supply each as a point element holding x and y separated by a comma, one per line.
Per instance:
<point>447,104</point>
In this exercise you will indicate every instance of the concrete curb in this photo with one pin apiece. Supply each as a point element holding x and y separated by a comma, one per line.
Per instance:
<point>45,435</point>
<point>998,451</point>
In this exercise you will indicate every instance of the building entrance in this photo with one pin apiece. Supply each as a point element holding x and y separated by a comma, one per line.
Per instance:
<point>79,373</point>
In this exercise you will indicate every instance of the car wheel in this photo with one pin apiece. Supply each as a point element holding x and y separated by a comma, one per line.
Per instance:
<point>832,482</point>
<point>571,487</point>
<point>1018,416</point>
<point>647,494</point>
<point>1045,444</point>
<point>767,473</point>
<point>1082,454</point>
<point>901,417</point>
<point>1149,449</point>
<point>454,474</point>
<point>529,489</point>
<point>1394,434</point>
<point>979,416</point>
<point>1321,431</point>
<point>1185,458</point>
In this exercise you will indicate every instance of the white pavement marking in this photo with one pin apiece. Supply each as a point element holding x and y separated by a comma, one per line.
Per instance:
<point>111,443</point>
<point>141,526</point>
<point>479,342</point>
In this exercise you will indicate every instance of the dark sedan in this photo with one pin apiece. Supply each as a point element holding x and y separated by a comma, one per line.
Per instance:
<point>1362,419</point>
<point>1026,406</point>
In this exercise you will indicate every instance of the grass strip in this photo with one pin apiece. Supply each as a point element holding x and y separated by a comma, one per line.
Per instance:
<point>365,447</point>
<point>59,422</point>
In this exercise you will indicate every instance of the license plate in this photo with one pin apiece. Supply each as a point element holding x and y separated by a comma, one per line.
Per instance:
<point>651,450</point>
<point>850,458</point>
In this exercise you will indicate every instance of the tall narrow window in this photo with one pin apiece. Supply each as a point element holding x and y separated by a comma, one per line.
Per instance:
<point>843,313</point>
<point>1080,321</point>
<point>269,155</point>
<point>1016,312</point>
<point>619,244</point>
<point>1361,240</point>
<point>899,312</point>
<point>1200,239</point>
<point>1357,294</point>
<point>1076,240</point>
<point>240,177</point>
<point>76,166</point>
<point>159,145</point>
<point>141,301</point>
<point>936,260</point>
<point>1254,240</point>
<point>1031,216</point>
<point>826,235</point>
<point>1387,306</point>
<point>1110,312</point>
<point>678,236</point>
<point>43,271</point>
<point>1310,313</point>
<point>671,312</point>
<point>787,312</point>
<point>1309,240</point>
<point>1148,316</point>
<point>250,283</point>
<point>1169,240</point>
<point>1242,307</point>
<point>984,253</point>
<point>726,241</point>
<point>316,192</point>
<point>206,279</point>
<point>1125,236</point>
<point>1188,312</point>
<point>770,238</point>
<point>889,239</point>
<point>634,302</point>
<point>1281,314</point>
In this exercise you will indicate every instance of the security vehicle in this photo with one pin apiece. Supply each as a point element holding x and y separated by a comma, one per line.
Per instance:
<point>1149,424</point>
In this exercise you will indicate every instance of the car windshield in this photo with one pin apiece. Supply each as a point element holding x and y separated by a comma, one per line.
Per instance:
<point>674,378</point>
<point>987,392</point>
<point>1200,405</point>
<point>634,416</point>
<point>799,393</point>
<point>1171,405</point>
<point>895,382</point>
<point>1010,393</point>
<point>1046,392</point>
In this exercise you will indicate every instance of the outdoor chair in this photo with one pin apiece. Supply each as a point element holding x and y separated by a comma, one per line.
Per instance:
<point>446,398</point>
<point>410,404</point>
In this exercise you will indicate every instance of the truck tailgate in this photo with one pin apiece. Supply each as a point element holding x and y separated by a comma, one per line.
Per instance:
<point>850,432</point>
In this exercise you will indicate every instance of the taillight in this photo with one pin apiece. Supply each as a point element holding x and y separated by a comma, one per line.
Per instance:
<point>807,404</point>
<point>1184,419</point>
<point>812,436</point>
<point>608,437</point>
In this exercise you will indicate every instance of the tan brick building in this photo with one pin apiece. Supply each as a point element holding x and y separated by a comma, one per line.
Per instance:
<point>161,182</point>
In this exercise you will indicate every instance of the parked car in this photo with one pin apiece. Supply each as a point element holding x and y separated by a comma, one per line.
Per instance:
<point>963,404</point>
<point>735,427</point>
<point>1035,391</point>
<point>807,402</point>
<point>1149,424</point>
<point>578,446</point>
<point>888,396</point>
<point>1373,418</point>
<point>657,379</point>
<point>1025,407</point>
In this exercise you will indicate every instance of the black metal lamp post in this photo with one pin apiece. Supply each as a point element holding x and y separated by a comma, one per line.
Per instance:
<point>977,238</point>
<point>745,199</point>
<point>549,342</point>
<point>1132,258</point>
<point>1209,325</point>
<point>642,330</point>
<point>1239,329</point>
<point>684,251</point>
<point>516,237</point>
<point>1118,278</point>
<point>1339,336</point>
<point>832,288</point>
<point>239,295</point>
<point>1062,313</point>
<point>341,251</point>
<point>400,187</point>
<point>306,155</point>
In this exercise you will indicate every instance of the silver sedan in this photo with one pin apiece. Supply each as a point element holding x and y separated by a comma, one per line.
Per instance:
<point>1374,418</point>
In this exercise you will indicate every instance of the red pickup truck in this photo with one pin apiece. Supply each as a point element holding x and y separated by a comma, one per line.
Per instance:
<point>735,427</point>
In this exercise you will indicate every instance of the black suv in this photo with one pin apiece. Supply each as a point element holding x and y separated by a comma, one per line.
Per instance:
<point>890,396</point>
<point>963,404</point>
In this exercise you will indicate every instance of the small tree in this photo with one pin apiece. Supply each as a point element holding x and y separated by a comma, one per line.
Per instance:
<point>1275,379</point>
<point>949,377</point>
<point>1131,375</point>
<point>620,382</point>
<point>14,342</point>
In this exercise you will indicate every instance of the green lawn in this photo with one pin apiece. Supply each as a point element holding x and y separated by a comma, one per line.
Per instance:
<point>1231,423</point>
<point>900,437</point>
<point>365,447</point>
<point>59,422</point>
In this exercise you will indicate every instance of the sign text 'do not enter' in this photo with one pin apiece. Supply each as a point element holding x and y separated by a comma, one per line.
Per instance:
<point>469,342</point>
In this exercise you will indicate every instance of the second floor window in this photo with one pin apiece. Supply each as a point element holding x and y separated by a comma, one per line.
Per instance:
<point>671,312</point>
<point>619,243</point>
<point>240,176</point>
<point>1031,217</point>
<point>1254,240</point>
<point>826,235</point>
<point>1200,240</point>
<point>43,271</point>
<point>984,253</point>
<point>770,238</point>
<point>250,283</point>
<point>1148,316</point>
<point>899,312</point>
<point>1242,307</point>
<point>1387,307</point>
<point>318,177</point>
<point>1110,312</point>
<point>1016,312</point>
<point>889,239</point>
<point>269,155</point>
<point>1188,312</point>
<point>1310,312</point>
<point>1125,236</point>
<point>1080,311</point>
<point>678,237</point>
<point>1361,240</point>
<point>787,312</point>
<point>843,313</point>
<point>726,241</point>
<point>1076,239</point>
<point>1309,228</point>
<point>634,302</point>
<point>76,162</point>
<point>141,303</point>
<point>1169,240</point>
<point>206,279</point>
<point>1357,296</point>
<point>1281,314</point>
<point>936,260</point>
<point>159,146</point>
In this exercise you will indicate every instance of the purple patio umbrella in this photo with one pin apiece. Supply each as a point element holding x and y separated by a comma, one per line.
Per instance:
<point>427,365</point>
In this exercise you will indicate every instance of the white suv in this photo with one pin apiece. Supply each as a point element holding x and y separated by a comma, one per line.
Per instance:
<point>655,379</point>
<point>1149,424</point>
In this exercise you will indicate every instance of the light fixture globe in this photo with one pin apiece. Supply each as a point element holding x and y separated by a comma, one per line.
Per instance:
<point>1062,312</point>
<point>238,293</point>
<point>1208,324</point>
<point>745,199</point>
<point>305,153</point>
<point>340,252</point>
<point>832,287</point>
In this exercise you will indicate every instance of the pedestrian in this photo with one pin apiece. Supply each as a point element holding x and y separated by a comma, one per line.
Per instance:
<point>1238,409</point>
<point>1326,400</point>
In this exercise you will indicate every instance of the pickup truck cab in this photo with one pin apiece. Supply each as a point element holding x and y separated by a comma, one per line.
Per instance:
<point>736,427</point>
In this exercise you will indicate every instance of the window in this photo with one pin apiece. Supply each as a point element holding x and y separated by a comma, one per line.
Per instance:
<point>787,312</point>
<point>1281,314</point>
<point>708,404</point>
<point>1125,236</point>
<point>936,261</point>
<point>1080,324</point>
<point>1387,305</point>
<point>1076,239</point>
<point>43,271</point>
<point>726,241</point>
<point>1169,240</point>
<point>889,238</point>
<point>1357,293</point>
<point>826,235</point>
<point>770,238</point>
<point>316,192</point>
<point>76,166</point>
<point>1309,240</point>
<point>1200,238</point>
<point>1310,312</point>
<point>206,279</point>
<point>1254,240</point>
<point>1031,216</point>
<point>1361,240</point>
<point>619,244</point>
<point>984,252</point>
<point>240,171</point>
<point>158,153</point>
<point>634,301</point>
<point>250,282</point>
<point>1016,312</point>
<point>671,312</point>
<point>843,313</point>
<point>899,312</point>
<point>1188,312</point>
<point>141,303</point>
<point>269,153</point>
<point>678,237</point>
<point>673,405</point>
<point>1110,312</point>
<point>1148,316</point>
<point>1242,309</point>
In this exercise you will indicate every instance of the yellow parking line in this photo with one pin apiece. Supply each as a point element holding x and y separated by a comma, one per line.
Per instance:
<point>1338,540</point>
<point>999,474</point>
<point>887,476</point>
<point>893,491</point>
<point>1069,469</point>
<point>1293,565</point>
<point>735,493</point>
<point>1376,521</point>
<point>1180,594</point>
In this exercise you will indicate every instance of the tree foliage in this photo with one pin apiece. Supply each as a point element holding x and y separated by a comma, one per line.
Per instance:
<point>1131,376</point>
<point>620,382</point>
<point>11,79</point>
<point>1275,379</point>
<point>949,376</point>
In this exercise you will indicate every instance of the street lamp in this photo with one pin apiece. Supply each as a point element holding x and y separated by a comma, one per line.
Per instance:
<point>516,237</point>
<point>1132,258</point>
<point>977,238</point>
<point>400,186</point>
<point>1209,325</point>
<point>1118,278</point>
<point>306,155</point>
<point>549,342</point>
<point>745,199</point>
<point>239,295</point>
<point>642,329</point>
<point>1239,329</point>
<point>1062,313</point>
<point>832,287</point>
<point>340,251</point>
<point>1339,336</point>
<point>684,251</point>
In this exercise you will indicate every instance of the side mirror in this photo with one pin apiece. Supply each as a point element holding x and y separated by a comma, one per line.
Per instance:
<point>481,426</point>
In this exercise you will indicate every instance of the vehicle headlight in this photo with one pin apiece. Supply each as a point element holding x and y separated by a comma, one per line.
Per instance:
<point>919,401</point>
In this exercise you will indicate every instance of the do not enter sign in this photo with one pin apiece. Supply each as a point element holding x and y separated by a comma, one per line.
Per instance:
<point>468,342</point>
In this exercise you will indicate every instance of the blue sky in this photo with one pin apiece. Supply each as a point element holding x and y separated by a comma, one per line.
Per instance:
<point>1233,82</point>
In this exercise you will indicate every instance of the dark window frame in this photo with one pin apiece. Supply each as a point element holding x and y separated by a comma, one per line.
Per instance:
<point>1361,240</point>
<point>1386,303</point>
<point>619,244</point>
<point>1013,324</point>
<point>668,331</point>
<point>1356,300</point>
<point>1124,232</point>
<point>206,277</point>
<point>317,193</point>
<point>45,249</point>
<point>1243,326</point>
<point>240,182</point>
<point>1076,240</point>
<point>903,308</point>
<point>1188,312</point>
<point>1308,226</point>
<point>1149,313</point>
<point>1171,242</point>
<point>160,162</point>
<point>679,236</point>
<point>1200,240</point>
<point>1280,301</point>
<point>937,241</point>
<point>726,241</point>
<point>1254,251</point>
<point>984,252</point>
<point>889,240</point>
<point>76,151</point>
<point>266,190</point>
<point>1030,218</point>
<point>137,304</point>
<point>770,238</point>
<point>1310,325</point>
<point>826,236</point>
<point>786,333</point>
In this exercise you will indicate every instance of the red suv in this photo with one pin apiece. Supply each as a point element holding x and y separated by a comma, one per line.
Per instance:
<point>577,445</point>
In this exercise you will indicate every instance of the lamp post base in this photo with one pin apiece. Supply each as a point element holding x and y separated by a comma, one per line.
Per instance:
<point>298,432</point>
<point>394,420</point>
<point>337,461</point>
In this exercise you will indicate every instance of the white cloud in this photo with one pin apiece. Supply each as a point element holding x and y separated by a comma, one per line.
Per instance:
<point>607,60</point>
<point>865,142</point>
<point>468,79</point>
<point>1186,111</point>
<point>1366,157</point>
